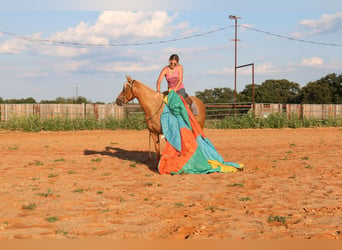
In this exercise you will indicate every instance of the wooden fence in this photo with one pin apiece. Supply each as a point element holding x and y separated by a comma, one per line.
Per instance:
<point>101,111</point>
<point>317,111</point>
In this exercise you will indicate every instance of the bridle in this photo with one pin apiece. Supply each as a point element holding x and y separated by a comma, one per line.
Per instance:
<point>130,88</point>
<point>125,90</point>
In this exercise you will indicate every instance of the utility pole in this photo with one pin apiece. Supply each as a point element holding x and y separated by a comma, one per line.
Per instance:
<point>76,91</point>
<point>236,40</point>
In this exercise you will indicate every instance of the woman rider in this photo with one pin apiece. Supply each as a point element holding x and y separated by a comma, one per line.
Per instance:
<point>174,76</point>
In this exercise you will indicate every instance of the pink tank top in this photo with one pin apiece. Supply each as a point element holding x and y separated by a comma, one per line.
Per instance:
<point>172,78</point>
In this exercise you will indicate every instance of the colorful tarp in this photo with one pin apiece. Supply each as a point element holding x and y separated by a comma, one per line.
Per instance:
<point>187,150</point>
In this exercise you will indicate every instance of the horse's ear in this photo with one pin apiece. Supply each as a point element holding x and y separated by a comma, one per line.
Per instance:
<point>129,79</point>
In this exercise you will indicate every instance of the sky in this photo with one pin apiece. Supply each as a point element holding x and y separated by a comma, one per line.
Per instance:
<point>48,49</point>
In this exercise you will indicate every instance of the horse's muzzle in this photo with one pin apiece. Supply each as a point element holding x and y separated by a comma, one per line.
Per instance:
<point>119,102</point>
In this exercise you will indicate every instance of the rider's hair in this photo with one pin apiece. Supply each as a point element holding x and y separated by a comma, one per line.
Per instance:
<point>174,57</point>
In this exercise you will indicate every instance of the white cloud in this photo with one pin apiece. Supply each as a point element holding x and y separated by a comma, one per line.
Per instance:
<point>32,74</point>
<point>111,27</point>
<point>128,67</point>
<point>315,62</point>
<point>13,46</point>
<point>327,23</point>
<point>70,65</point>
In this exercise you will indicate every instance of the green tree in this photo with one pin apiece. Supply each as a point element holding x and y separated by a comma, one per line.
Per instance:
<point>278,91</point>
<point>216,95</point>
<point>328,89</point>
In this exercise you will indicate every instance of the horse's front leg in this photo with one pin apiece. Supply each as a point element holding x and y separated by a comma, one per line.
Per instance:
<point>155,138</point>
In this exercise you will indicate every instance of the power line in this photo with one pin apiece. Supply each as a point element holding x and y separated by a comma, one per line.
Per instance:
<point>32,39</point>
<point>289,38</point>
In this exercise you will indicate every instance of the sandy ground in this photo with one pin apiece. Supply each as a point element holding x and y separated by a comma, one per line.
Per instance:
<point>100,184</point>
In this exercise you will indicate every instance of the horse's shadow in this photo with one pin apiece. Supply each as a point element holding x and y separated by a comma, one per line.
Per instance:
<point>136,156</point>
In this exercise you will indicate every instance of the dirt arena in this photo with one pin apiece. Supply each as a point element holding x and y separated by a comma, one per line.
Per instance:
<point>100,184</point>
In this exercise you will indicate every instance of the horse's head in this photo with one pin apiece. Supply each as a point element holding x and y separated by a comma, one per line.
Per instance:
<point>126,94</point>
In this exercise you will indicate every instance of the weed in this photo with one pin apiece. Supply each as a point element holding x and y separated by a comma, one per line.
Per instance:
<point>47,194</point>
<point>214,208</point>
<point>305,158</point>
<point>96,160</point>
<point>104,210</point>
<point>293,144</point>
<point>106,174</point>
<point>133,165</point>
<point>52,219</point>
<point>61,159</point>
<point>6,223</point>
<point>99,192</point>
<point>94,168</point>
<point>149,184</point>
<point>15,147</point>
<point>52,175</point>
<point>31,206</point>
<point>292,177</point>
<point>309,167</point>
<point>122,199</point>
<point>113,143</point>
<point>245,199</point>
<point>236,185</point>
<point>148,175</point>
<point>281,219</point>
<point>178,204</point>
<point>146,199</point>
<point>36,163</point>
<point>79,190</point>
<point>71,172</point>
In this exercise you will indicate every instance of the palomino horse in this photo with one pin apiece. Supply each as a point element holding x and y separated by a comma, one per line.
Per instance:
<point>152,104</point>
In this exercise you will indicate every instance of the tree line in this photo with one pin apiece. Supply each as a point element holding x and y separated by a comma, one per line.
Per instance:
<point>327,90</point>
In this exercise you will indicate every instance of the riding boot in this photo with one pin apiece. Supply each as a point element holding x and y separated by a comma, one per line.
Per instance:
<point>194,109</point>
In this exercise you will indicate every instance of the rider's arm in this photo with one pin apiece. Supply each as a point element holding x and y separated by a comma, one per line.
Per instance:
<point>160,78</point>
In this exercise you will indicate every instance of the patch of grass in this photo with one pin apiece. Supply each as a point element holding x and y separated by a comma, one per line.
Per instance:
<point>146,199</point>
<point>47,194</point>
<point>6,223</point>
<point>15,147</point>
<point>52,219</point>
<point>304,158</point>
<point>36,163</point>
<point>293,144</point>
<point>245,199</point>
<point>99,192</point>
<point>149,184</point>
<point>133,165</point>
<point>71,172</point>
<point>106,174</point>
<point>214,208</point>
<point>309,167</point>
<point>179,204</point>
<point>61,159</point>
<point>113,143</point>
<point>31,206</point>
<point>122,199</point>
<point>94,168</point>
<point>292,177</point>
<point>52,175</point>
<point>79,190</point>
<point>236,185</point>
<point>281,219</point>
<point>104,210</point>
<point>96,160</point>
